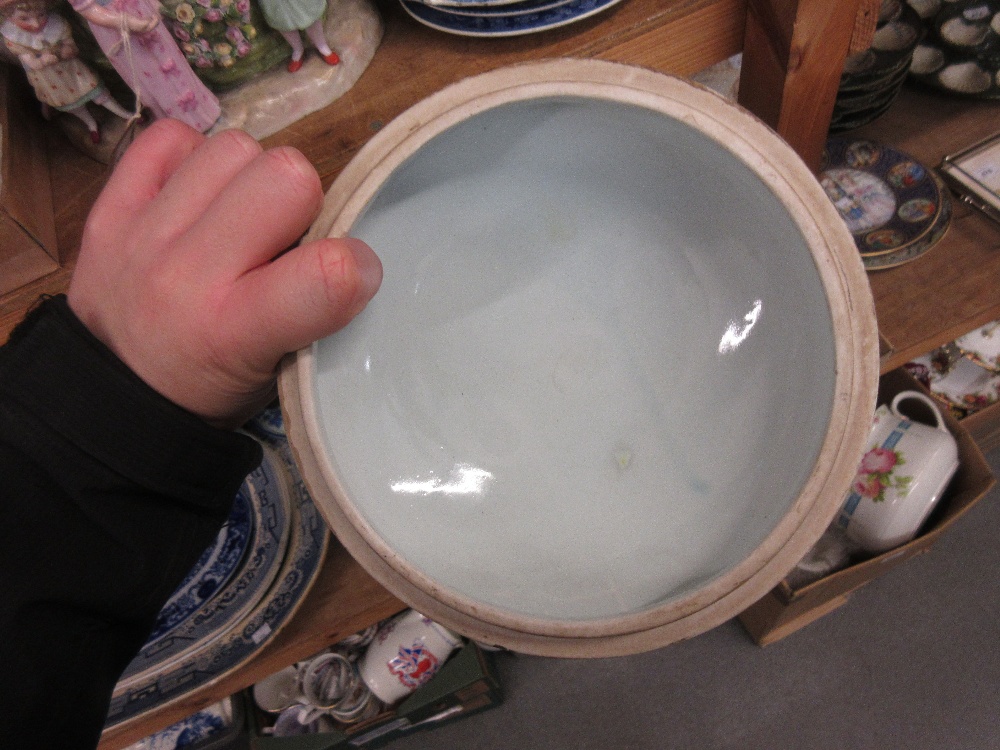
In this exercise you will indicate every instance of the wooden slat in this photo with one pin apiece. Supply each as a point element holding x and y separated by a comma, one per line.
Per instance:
<point>795,51</point>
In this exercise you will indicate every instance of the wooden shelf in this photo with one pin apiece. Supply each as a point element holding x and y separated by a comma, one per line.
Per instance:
<point>952,289</point>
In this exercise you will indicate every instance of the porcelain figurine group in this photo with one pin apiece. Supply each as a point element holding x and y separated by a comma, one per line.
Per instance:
<point>142,51</point>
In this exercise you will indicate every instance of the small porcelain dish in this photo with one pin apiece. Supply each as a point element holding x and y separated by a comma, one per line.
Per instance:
<point>619,374</point>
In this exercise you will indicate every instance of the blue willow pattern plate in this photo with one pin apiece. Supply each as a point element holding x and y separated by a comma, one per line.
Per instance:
<point>474,4</point>
<point>505,25</point>
<point>268,495</point>
<point>307,548</point>
<point>506,9</point>
<point>213,570</point>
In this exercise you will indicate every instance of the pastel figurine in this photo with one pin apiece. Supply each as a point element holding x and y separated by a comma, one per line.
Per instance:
<point>290,17</point>
<point>43,43</point>
<point>144,53</point>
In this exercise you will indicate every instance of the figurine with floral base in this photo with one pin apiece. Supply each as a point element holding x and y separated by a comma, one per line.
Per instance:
<point>144,53</point>
<point>43,43</point>
<point>227,42</point>
<point>289,17</point>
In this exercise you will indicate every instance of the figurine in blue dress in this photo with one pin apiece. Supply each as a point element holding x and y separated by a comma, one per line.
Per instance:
<point>290,17</point>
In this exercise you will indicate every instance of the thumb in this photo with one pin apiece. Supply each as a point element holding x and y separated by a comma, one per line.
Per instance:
<point>305,294</point>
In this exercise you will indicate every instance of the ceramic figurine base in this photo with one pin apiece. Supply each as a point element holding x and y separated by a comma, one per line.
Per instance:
<point>116,134</point>
<point>278,98</point>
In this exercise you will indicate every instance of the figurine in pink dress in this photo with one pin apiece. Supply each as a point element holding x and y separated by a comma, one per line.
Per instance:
<point>148,59</point>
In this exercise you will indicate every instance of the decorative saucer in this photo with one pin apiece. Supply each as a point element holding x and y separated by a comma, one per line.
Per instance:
<point>895,208</point>
<point>982,346</point>
<point>488,25</point>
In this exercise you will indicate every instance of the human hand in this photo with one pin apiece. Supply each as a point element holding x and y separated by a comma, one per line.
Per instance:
<point>182,273</point>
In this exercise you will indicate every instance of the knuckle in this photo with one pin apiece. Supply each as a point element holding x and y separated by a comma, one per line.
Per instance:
<point>342,283</point>
<point>295,173</point>
<point>239,142</point>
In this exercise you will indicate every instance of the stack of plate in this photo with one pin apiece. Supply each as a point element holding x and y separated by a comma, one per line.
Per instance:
<point>896,208</point>
<point>491,18</point>
<point>872,78</point>
<point>960,53</point>
<point>243,590</point>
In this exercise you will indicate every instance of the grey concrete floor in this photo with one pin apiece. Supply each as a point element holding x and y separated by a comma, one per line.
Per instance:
<point>912,661</point>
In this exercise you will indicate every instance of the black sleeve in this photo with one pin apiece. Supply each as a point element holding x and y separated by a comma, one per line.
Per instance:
<point>108,494</point>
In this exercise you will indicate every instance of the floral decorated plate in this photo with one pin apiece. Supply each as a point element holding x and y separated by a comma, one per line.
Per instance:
<point>965,385</point>
<point>982,346</point>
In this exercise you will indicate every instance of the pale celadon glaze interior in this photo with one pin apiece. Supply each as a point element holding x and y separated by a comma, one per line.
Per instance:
<point>598,372</point>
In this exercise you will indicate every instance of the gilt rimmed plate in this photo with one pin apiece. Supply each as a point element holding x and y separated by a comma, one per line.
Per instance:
<point>505,25</point>
<point>895,208</point>
<point>266,490</point>
<point>982,346</point>
<point>308,542</point>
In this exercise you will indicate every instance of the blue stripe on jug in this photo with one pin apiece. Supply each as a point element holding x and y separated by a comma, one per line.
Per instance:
<point>854,499</point>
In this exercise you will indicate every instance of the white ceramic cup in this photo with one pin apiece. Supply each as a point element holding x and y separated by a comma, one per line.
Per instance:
<point>405,653</point>
<point>901,477</point>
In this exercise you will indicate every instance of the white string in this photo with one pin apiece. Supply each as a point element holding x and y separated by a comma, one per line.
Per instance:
<point>125,42</point>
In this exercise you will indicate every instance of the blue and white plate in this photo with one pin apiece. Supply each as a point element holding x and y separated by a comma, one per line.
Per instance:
<point>504,25</point>
<point>307,546</point>
<point>451,4</point>
<point>268,493</point>
<point>517,8</point>
<point>213,570</point>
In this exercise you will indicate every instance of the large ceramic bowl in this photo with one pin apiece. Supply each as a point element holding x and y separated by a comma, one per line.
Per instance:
<point>619,373</point>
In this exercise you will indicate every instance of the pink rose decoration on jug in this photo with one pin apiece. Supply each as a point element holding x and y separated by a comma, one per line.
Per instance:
<point>875,474</point>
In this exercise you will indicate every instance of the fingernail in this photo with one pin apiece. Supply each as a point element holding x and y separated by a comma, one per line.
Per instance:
<point>369,264</point>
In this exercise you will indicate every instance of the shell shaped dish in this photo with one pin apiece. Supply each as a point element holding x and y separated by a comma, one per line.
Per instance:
<point>618,376</point>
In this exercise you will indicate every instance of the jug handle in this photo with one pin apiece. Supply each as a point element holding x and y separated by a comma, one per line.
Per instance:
<point>904,395</point>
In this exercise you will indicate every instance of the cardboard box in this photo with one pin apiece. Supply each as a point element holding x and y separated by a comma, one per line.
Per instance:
<point>984,427</point>
<point>27,223</point>
<point>464,685</point>
<point>785,609</point>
